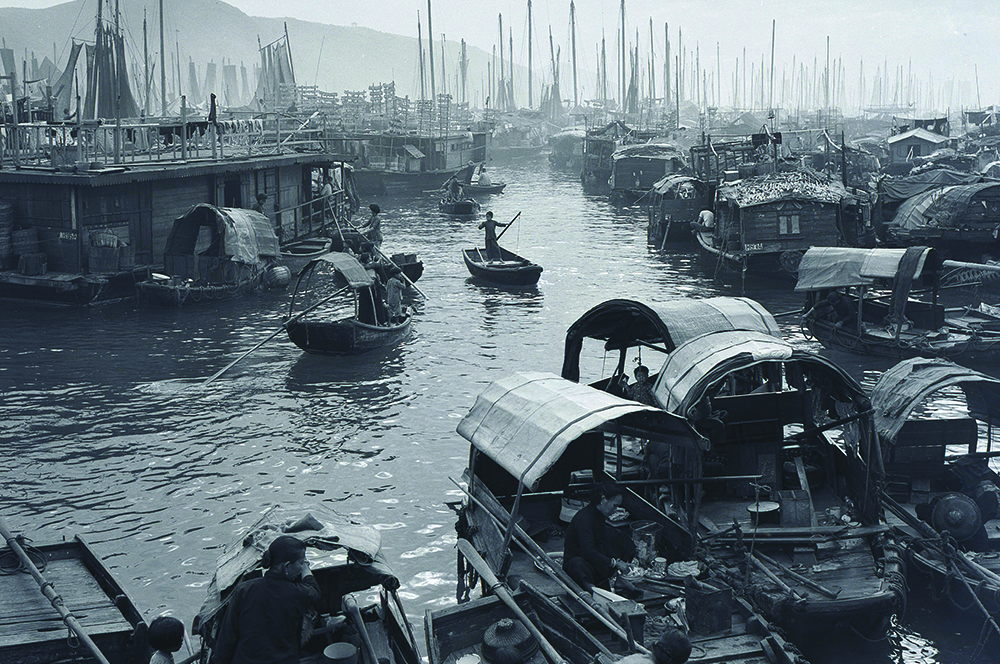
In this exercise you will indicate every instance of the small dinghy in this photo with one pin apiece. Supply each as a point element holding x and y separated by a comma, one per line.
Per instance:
<point>511,270</point>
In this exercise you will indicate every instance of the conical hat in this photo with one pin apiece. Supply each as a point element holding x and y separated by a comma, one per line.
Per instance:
<point>958,514</point>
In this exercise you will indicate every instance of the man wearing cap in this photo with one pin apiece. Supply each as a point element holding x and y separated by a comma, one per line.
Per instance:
<point>259,205</point>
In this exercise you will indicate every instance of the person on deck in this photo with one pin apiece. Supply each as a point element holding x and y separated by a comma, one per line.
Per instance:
<point>264,616</point>
<point>594,550</point>
<point>484,179</point>
<point>705,223</point>
<point>455,190</point>
<point>165,636</point>
<point>259,205</point>
<point>394,296</point>
<point>492,245</point>
<point>372,230</point>
<point>641,390</point>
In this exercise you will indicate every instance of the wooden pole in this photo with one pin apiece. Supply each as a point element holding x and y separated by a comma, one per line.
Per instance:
<point>351,606</point>
<point>389,260</point>
<point>503,593</point>
<point>50,594</point>
<point>509,223</point>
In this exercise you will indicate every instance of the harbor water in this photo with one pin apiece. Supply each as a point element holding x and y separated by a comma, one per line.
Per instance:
<point>109,432</point>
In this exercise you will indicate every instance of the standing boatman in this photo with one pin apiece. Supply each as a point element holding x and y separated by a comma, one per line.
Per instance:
<point>492,246</point>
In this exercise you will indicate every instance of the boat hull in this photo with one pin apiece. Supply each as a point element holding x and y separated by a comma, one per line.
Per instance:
<point>966,351</point>
<point>297,255</point>
<point>345,337</point>
<point>511,271</point>
<point>177,293</point>
<point>31,631</point>
<point>65,289</point>
<point>467,207</point>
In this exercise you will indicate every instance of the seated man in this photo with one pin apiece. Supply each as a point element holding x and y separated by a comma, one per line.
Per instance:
<point>594,550</point>
<point>705,223</point>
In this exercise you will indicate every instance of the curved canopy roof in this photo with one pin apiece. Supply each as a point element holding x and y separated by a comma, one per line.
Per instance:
<point>698,364</point>
<point>824,268</point>
<point>672,181</point>
<point>946,207</point>
<point>905,386</point>
<point>896,189</point>
<point>526,421</point>
<point>242,235</point>
<point>627,323</point>
<point>349,270</point>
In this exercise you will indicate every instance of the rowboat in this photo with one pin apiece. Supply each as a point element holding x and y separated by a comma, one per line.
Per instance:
<point>941,494</point>
<point>886,302</point>
<point>536,439</point>
<point>297,255</point>
<point>510,270</point>
<point>355,323</point>
<point>465,206</point>
<point>470,178</point>
<point>356,583</point>
<point>33,631</point>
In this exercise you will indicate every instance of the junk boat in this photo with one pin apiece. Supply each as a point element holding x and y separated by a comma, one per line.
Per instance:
<point>215,253</point>
<point>536,441</point>
<point>886,302</point>
<point>353,323</point>
<point>359,605</point>
<point>941,494</point>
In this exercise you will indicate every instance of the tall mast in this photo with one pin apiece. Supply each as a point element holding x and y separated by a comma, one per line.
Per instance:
<point>530,100</point>
<point>666,65</point>
<point>770,97</point>
<point>652,67</point>
<point>572,30</point>
<point>463,69</point>
<point>145,62</point>
<point>510,82</point>
<point>444,75</point>
<point>502,92</point>
<point>163,67</point>
<point>604,72</point>
<point>420,48</point>
<point>177,45</point>
<point>430,50</point>
<point>621,74</point>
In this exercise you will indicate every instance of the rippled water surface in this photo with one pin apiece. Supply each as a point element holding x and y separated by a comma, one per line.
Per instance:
<point>108,431</point>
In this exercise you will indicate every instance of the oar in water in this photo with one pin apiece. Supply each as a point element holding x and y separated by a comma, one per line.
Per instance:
<point>389,260</point>
<point>276,333</point>
<point>503,593</point>
<point>52,595</point>
<point>509,224</point>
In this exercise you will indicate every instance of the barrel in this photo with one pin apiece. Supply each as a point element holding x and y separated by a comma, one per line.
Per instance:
<point>277,276</point>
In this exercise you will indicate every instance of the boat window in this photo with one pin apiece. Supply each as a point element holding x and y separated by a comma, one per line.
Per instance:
<point>788,224</point>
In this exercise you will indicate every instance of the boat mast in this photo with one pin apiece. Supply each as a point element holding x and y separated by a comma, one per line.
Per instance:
<point>531,101</point>
<point>163,68</point>
<point>604,73</point>
<point>652,67</point>
<point>510,83</point>
<point>430,50</point>
<point>666,66</point>
<point>145,62</point>
<point>464,70</point>
<point>420,49</point>
<point>621,68</point>
<point>572,32</point>
<point>119,67</point>
<point>502,92</point>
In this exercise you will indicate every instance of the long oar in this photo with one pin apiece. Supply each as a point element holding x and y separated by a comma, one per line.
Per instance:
<point>52,595</point>
<point>351,606</point>
<point>276,333</point>
<point>470,553</point>
<point>389,260</point>
<point>509,224</point>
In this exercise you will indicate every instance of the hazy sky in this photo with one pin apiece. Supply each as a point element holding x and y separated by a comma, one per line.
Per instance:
<point>936,40</point>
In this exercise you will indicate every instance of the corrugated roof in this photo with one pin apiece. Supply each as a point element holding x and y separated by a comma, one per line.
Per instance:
<point>526,421</point>
<point>413,151</point>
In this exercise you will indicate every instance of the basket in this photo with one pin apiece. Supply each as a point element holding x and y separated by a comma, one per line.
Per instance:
<point>103,259</point>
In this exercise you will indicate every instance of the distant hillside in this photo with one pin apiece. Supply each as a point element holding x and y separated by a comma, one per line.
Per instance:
<point>352,58</point>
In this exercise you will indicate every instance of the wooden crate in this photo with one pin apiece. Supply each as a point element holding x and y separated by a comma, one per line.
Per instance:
<point>32,264</point>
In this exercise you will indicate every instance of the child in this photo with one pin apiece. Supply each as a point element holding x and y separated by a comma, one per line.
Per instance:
<point>166,636</point>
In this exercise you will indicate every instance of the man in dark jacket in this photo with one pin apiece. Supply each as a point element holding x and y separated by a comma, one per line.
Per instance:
<point>594,550</point>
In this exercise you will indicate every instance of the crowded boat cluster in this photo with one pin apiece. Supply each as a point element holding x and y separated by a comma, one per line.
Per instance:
<point>734,499</point>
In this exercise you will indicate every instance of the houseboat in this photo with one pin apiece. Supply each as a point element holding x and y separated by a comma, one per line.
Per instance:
<point>567,148</point>
<point>674,202</point>
<point>766,223</point>
<point>598,147</point>
<point>69,194</point>
<point>396,162</point>
<point>636,168</point>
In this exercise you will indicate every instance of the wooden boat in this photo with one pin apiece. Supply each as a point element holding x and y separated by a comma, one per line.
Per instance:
<point>801,429</point>
<point>359,322</point>
<point>941,492</point>
<point>627,325</point>
<point>349,566</point>
<point>889,306</point>
<point>469,177</point>
<point>534,438</point>
<point>635,169</point>
<point>766,223</point>
<point>675,201</point>
<point>215,253</point>
<point>31,629</point>
<point>297,255</point>
<point>408,263</point>
<point>466,206</point>
<point>511,270</point>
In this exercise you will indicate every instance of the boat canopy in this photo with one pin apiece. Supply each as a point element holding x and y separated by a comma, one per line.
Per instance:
<point>698,364</point>
<point>904,387</point>
<point>349,271</point>
<point>896,189</point>
<point>824,268</point>
<point>782,186</point>
<point>946,207</point>
<point>627,323</point>
<point>242,235</point>
<point>526,421</point>
<point>673,181</point>
<point>664,151</point>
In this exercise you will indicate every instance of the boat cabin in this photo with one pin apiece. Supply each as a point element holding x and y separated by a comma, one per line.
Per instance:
<point>674,202</point>
<point>636,168</point>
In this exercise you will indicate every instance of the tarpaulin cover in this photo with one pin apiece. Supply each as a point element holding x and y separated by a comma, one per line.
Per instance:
<point>790,185</point>
<point>946,207</point>
<point>905,386</point>
<point>893,190</point>
<point>695,364</point>
<point>525,422</point>
<point>243,235</point>
<point>648,151</point>
<point>823,268</point>
<point>347,267</point>
<point>627,323</point>
<point>673,181</point>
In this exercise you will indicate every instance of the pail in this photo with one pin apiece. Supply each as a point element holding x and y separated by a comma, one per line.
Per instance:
<point>645,534</point>
<point>340,653</point>
<point>708,610</point>
<point>764,513</point>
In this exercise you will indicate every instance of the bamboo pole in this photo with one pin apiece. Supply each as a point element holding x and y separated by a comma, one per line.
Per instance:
<point>49,591</point>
